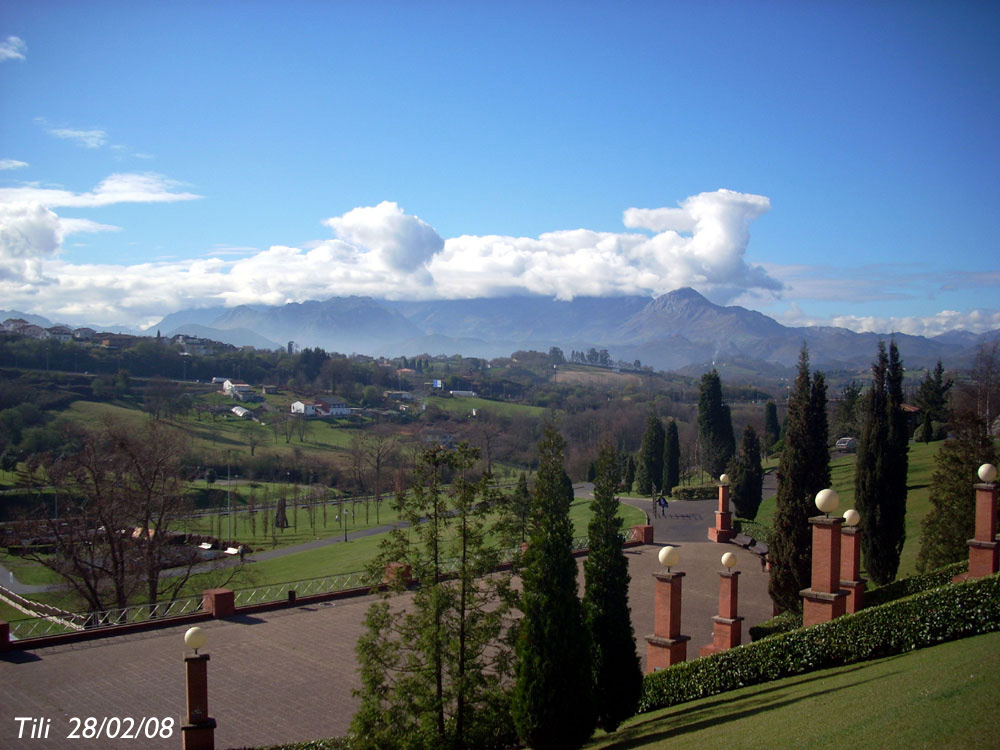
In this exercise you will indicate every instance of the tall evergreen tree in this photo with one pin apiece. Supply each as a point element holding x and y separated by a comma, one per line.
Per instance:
<point>880,472</point>
<point>649,466</point>
<point>552,702</point>
<point>932,399</point>
<point>671,458</point>
<point>819,437</point>
<point>746,476</point>
<point>772,428</point>
<point>951,521</point>
<point>617,674</point>
<point>629,473</point>
<point>434,674</point>
<point>802,472</point>
<point>715,426</point>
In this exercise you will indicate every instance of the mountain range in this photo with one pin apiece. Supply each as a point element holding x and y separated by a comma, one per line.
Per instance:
<point>680,330</point>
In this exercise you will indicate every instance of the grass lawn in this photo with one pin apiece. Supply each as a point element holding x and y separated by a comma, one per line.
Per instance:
<point>463,406</point>
<point>940,697</point>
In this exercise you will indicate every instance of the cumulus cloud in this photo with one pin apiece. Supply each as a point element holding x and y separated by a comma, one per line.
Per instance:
<point>13,48</point>
<point>6,164</point>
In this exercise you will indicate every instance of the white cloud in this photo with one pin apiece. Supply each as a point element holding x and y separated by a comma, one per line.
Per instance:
<point>117,188</point>
<point>6,164</point>
<point>13,48</point>
<point>86,138</point>
<point>977,321</point>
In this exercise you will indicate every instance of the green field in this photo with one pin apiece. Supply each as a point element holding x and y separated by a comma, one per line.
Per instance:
<point>940,697</point>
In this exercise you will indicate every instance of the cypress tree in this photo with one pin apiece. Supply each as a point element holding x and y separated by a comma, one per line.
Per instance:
<point>552,701</point>
<point>715,426</point>
<point>880,472</point>
<point>671,458</point>
<point>772,428</point>
<point>802,472</point>
<point>932,398</point>
<point>629,473</point>
<point>746,476</point>
<point>951,521</point>
<point>616,670</point>
<point>649,467</point>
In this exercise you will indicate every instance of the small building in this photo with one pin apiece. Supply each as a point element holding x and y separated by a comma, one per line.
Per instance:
<point>60,333</point>
<point>231,389</point>
<point>242,412</point>
<point>397,395</point>
<point>269,389</point>
<point>84,334</point>
<point>332,408</point>
<point>465,394</point>
<point>306,410</point>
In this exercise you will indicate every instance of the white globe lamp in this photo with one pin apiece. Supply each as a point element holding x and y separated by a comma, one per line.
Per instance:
<point>827,501</point>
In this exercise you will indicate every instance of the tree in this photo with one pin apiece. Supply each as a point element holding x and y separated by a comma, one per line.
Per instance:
<point>772,428</point>
<point>629,480</point>
<point>616,671</point>
<point>932,400</point>
<point>649,466</point>
<point>433,675</point>
<point>521,507</point>
<point>880,472</point>
<point>951,521</point>
<point>671,458</point>
<point>802,472</point>
<point>846,413</point>
<point>552,702</point>
<point>715,426</point>
<point>746,476</point>
<point>118,500</point>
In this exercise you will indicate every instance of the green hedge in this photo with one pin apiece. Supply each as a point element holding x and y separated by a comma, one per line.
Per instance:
<point>758,531</point>
<point>942,614</point>
<point>698,492</point>
<point>896,590</point>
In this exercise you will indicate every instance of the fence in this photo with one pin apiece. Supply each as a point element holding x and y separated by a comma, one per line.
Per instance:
<point>55,622</point>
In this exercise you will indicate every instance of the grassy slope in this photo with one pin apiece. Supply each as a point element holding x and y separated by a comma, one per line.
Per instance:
<point>921,467</point>
<point>942,697</point>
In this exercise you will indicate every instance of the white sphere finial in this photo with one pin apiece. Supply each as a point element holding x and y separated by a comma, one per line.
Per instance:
<point>988,473</point>
<point>195,638</point>
<point>827,500</point>
<point>729,560</point>
<point>669,556</point>
<point>724,479</point>
<point>851,517</point>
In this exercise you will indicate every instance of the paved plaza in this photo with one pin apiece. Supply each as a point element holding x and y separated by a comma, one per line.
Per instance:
<point>287,675</point>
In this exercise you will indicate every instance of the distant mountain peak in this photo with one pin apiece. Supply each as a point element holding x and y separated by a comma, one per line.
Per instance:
<point>679,300</point>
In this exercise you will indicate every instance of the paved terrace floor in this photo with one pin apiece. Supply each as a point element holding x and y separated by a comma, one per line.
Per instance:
<point>287,675</point>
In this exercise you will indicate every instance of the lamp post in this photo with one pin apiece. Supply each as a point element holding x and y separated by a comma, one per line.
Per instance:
<point>850,561</point>
<point>984,549</point>
<point>824,600</point>
<point>723,530</point>
<point>198,731</point>
<point>666,646</point>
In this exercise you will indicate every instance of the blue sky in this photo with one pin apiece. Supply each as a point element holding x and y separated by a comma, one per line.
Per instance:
<point>823,162</point>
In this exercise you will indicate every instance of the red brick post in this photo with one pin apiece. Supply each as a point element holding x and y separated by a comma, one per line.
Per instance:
<point>643,534</point>
<point>824,599</point>
<point>666,646</point>
<point>198,730</point>
<point>4,636</point>
<point>850,568</point>
<point>400,571</point>
<point>728,629</point>
<point>723,530</point>
<point>984,549</point>
<point>219,602</point>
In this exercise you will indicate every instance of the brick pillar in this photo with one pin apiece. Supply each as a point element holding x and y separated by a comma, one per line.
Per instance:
<point>666,646</point>
<point>643,534</point>
<point>398,571</point>
<point>723,530</point>
<point>219,602</point>
<point>984,550</point>
<point>850,568</point>
<point>198,730</point>
<point>824,599</point>
<point>4,636</point>
<point>728,628</point>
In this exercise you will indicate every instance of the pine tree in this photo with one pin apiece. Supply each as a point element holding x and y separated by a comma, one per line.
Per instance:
<point>880,472</point>
<point>649,466</point>
<point>802,472</point>
<point>772,428</point>
<point>434,675</point>
<point>746,476</point>
<point>521,507</point>
<point>951,521</point>
<point>617,674</point>
<point>671,458</point>
<point>629,473</point>
<point>932,399</point>
<point>715,426</point>
<point>552,702</point>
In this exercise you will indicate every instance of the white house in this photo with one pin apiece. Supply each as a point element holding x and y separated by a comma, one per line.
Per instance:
<point>231,389</point>
<point>306,410</point>
<point>334,408</point>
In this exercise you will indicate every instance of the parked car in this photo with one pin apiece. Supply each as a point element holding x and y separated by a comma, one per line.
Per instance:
<point>847,445</point>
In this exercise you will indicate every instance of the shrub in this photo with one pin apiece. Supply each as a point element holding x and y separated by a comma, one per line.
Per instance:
<point>755,530</point>
<point>946,613</point>
<point>699,492</point>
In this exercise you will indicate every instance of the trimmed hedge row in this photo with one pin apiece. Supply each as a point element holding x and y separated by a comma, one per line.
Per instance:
<point>698,492</point>
<point>896,590</point>
<point>946,613</point>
